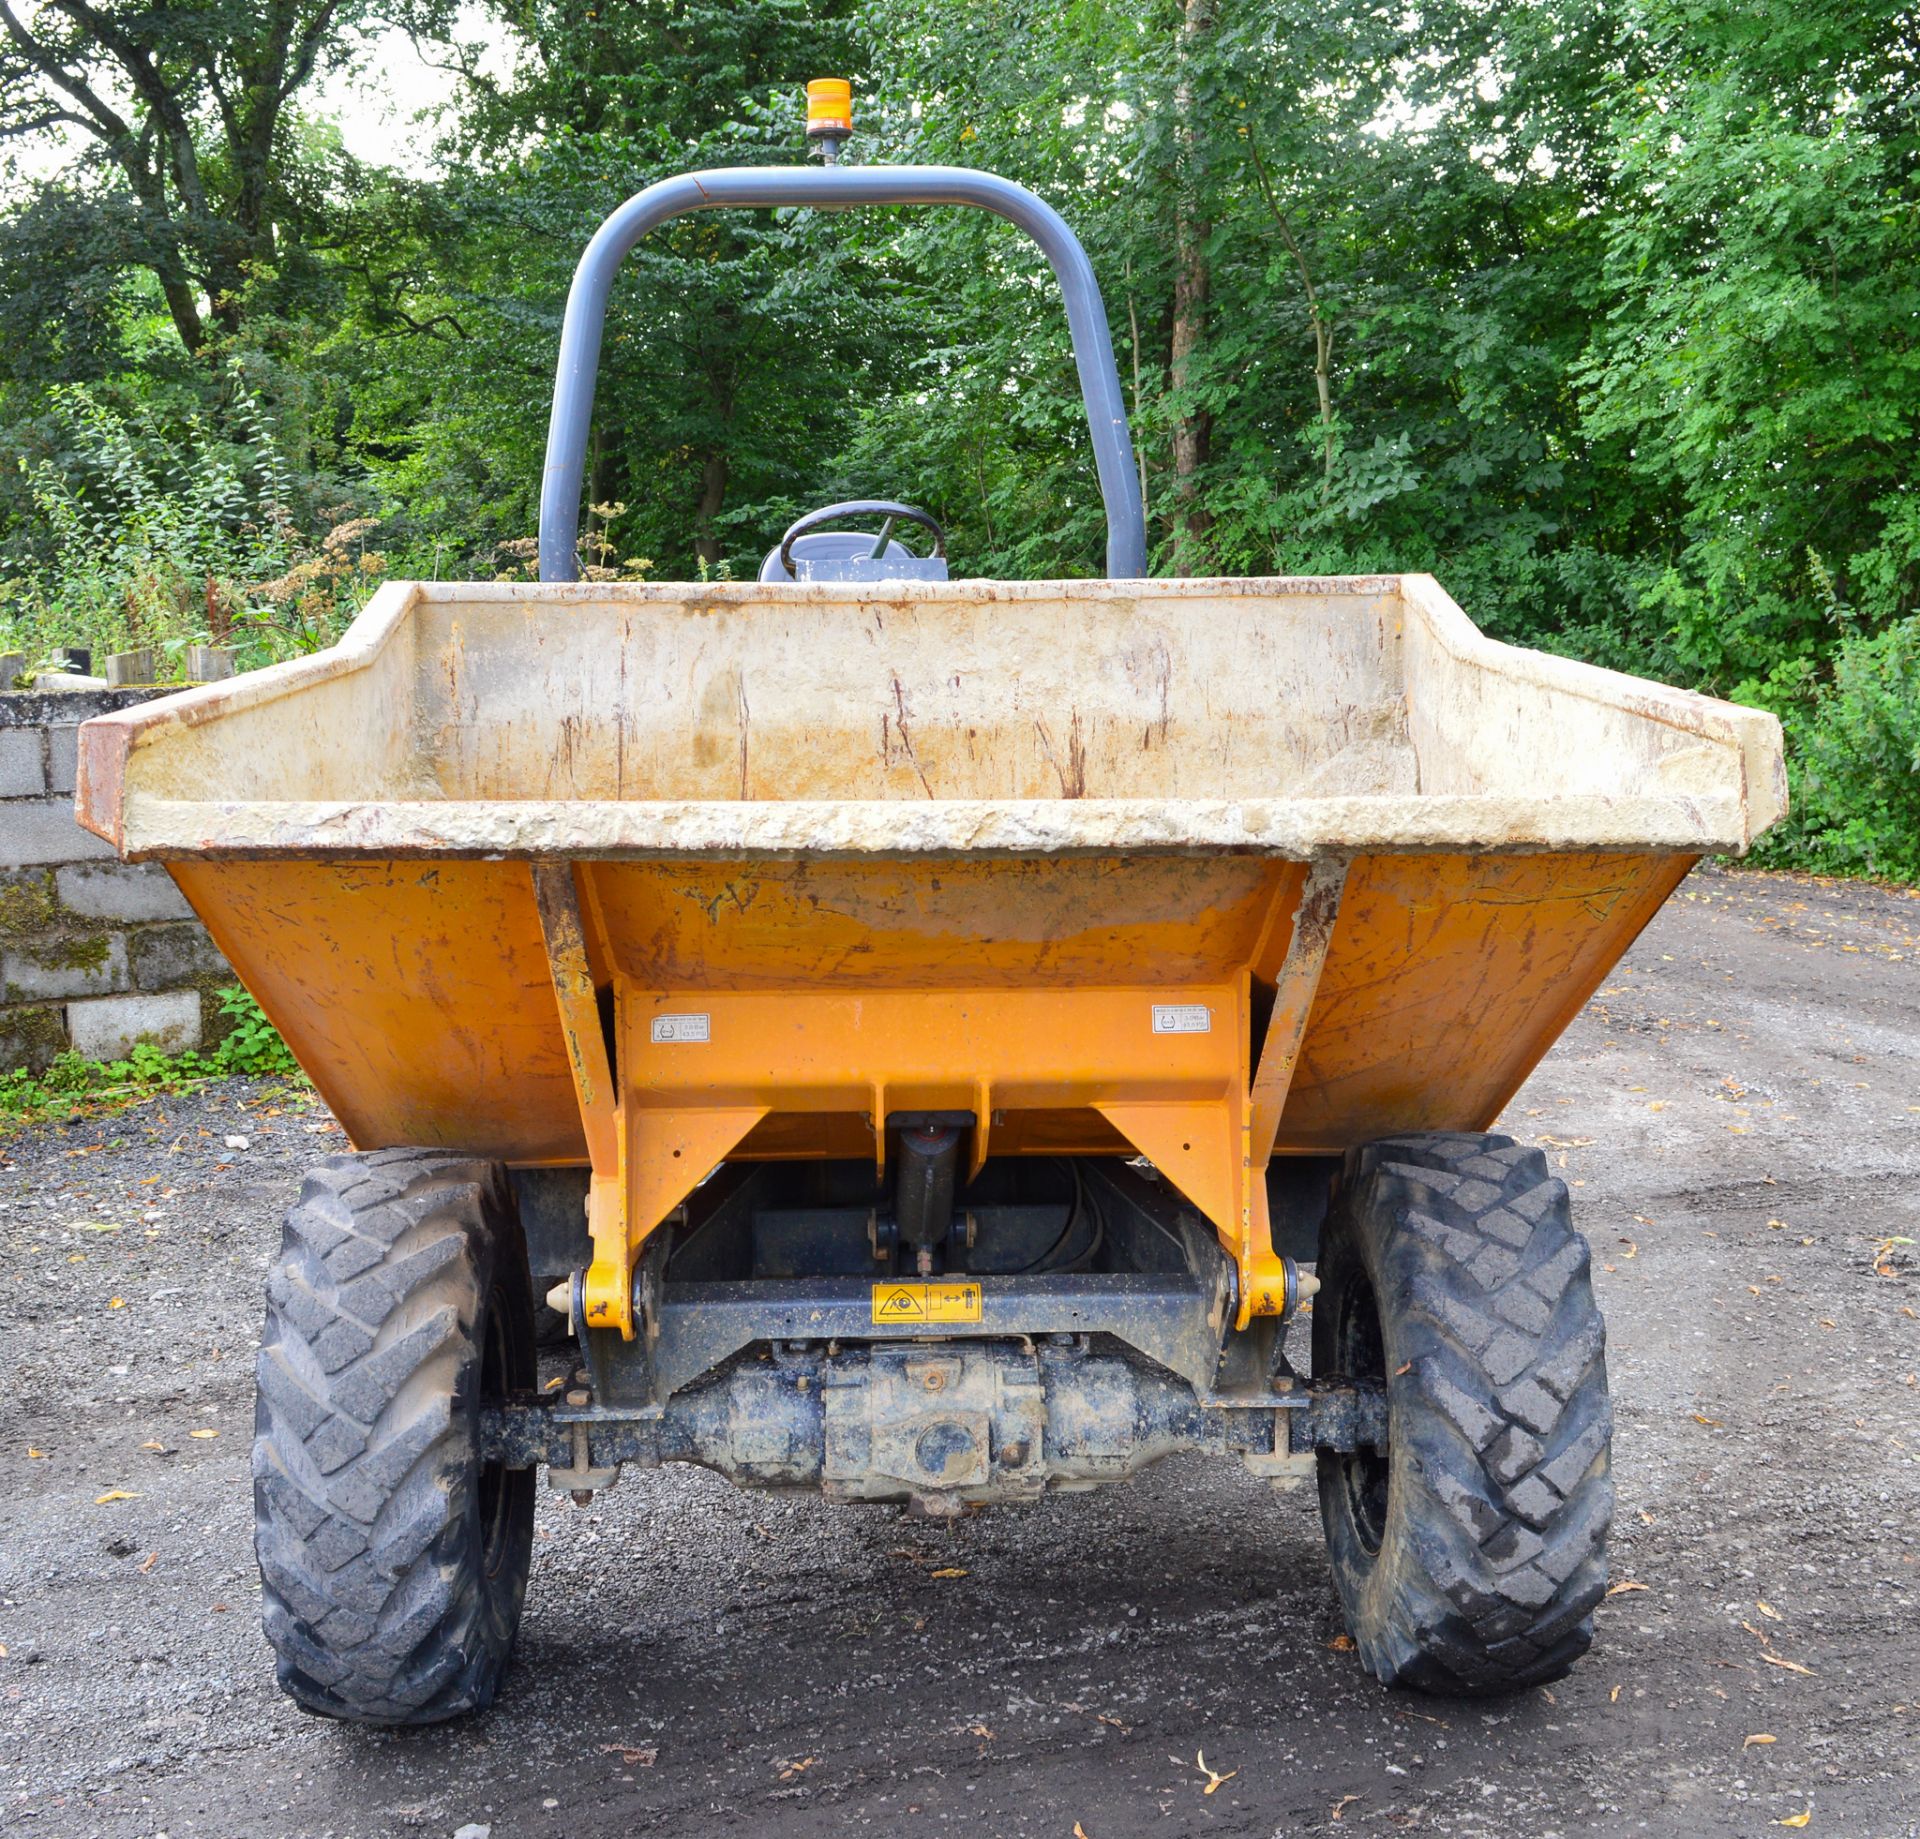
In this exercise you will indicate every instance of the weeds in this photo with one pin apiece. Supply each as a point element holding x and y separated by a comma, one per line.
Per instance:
<point>169,540</point>
<point>76,1087</point>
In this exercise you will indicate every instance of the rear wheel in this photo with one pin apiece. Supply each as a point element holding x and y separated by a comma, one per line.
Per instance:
<point>393,1561</point>
<point>1470,1554</point>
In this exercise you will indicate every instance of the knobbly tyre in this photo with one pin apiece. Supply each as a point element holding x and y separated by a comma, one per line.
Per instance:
<point>914,1037</point>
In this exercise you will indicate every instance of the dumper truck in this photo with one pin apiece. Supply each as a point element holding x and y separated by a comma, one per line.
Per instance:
<point>922,1038</point>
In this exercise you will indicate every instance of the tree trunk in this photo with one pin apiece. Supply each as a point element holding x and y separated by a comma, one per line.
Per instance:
<point>1322,326</point>
<point>184,310</point>
<point>176,286</point>
<point>713,494</point>
<point>1192,287</point>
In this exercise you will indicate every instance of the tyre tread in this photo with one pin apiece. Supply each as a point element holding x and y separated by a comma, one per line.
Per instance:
<point>1501,1422</point>
<point>362,1455</point>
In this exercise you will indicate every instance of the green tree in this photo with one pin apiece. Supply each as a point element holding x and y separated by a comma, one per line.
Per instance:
<point>1757,351</point>
<point>738,344</point>
<point>188,111</point>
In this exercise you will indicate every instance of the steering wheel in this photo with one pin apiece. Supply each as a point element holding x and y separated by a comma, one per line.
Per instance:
<point>864,507</point>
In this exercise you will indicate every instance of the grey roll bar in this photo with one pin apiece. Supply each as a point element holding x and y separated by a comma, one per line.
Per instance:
<point>831,187</point>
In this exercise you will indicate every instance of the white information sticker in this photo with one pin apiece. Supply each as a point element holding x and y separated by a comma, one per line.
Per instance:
<point>1182,1018</point>
<point>677,1030</point>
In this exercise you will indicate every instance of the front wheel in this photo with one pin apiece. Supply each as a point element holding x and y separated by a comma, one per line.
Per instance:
<point>393,1561</point>
<point>1470,1554</point>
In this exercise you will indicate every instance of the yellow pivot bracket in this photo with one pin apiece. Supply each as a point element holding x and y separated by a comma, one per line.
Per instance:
<point>1263,1273</point>
<point>608,1299</point>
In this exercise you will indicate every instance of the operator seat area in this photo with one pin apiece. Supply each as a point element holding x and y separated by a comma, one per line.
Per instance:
<point>809,553</point>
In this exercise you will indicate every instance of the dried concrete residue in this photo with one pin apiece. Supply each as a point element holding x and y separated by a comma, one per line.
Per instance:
<point>1289,717</point>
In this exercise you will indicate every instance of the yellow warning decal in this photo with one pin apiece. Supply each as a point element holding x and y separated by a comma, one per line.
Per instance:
<point>915,1305</point>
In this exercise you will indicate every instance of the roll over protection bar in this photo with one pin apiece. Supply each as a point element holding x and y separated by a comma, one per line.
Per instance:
<point>833,187</point>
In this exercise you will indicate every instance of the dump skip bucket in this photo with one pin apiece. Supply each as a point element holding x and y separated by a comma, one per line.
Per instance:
<point>1207,870</point>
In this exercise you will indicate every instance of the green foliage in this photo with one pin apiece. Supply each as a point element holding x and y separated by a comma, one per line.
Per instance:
<point>738,346</point>
<point>193,167</point>
<point>75,1087</point>
<point>1758,352</point>
<point>1855,751</point>
<point>160,536</point>
<point>252,1044</point>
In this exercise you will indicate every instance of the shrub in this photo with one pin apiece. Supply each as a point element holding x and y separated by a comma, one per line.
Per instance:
<point>1853,748</point>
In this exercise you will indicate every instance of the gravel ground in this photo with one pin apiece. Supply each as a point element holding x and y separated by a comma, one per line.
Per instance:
<point>1739,1113</point>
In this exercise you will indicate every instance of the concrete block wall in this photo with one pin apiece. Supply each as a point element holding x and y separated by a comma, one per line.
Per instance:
<point>95,953</point>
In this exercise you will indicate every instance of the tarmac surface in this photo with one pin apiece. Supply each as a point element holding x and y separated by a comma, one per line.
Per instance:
<point>1738,1111</point>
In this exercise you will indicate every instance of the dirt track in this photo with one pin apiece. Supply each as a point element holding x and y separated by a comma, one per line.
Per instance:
<point>1740,1115</point>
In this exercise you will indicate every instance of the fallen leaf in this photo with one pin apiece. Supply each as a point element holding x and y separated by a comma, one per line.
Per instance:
<point>148,1562</point>
<point>1792,1666</point>
<point>1758,1737</point>
<point>113,1494</point>
<point>154,1443</point>
<point>1711,1423</point>
<point>35,1455</point>
<point>1768,1610</point>
<point>1883,1256</point>
<point>1624,1585</point>
<point>1343,1803</point>
<point>1107,1717</point>
<point>1613,1697</point>
<point>203,1434</point>
<point>952,1570</point>
<point>116,1302</point>
<point>792,1771</point>
<point>1796,1819</point>
<point>1200,1762</point>
<point>1633,1250</point>
<point>980,1730</point>
<point>1079,1831</point>
<point>1405,1367</point>
<point>1826,1322</point>
<point>634,1759</point>
<point>1341,1644</point>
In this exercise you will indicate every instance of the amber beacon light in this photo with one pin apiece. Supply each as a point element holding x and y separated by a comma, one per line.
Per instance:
<point>829,112</point>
